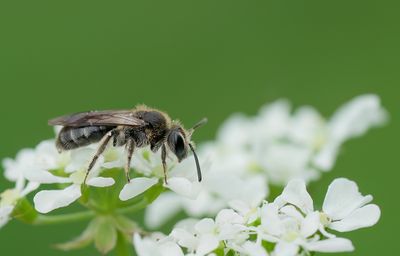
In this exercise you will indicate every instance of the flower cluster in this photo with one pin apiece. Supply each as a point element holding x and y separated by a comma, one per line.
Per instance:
<point>275,149</point>
<point>10,197</point>
<point>252,153</point>
<point>287,226</point>
<point>45,165</point>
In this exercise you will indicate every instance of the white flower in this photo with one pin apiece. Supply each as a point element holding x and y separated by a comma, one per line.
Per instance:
<point>335,244</point>
<point>224,170</point>
<point>5,212</point>
<point>13,168</point>
<point>295,193</point>
<point>273,147</point>
<point>149,164</point>
<point>49,200</point>
<point>280,170</point>
<point>201,241</point>
<point>346,209</point>
<point>34,164</point>
<point>353,119</point>
<point>164,208</point>
<point>289,225</point>
<point>149,246</point>
<point>310,141</point>
<point>287,228</point>
<point>252,249</point>
<point>10,197</point>
<point>292,223</point>
<point>204,236</point>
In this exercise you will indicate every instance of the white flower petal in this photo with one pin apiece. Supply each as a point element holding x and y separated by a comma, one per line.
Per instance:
<point>310,224</point>
<point>325,233</point>
<point>43,176</point>
<point>204,226</point>
<point>207,244</point>
<point>114,157</point>
<point>81,157</point>
<point>5,212</point>
<point>365,216</point>
<point>239,206</point>
<point>280,170</point>
<point>145,246</point>
<point>31,186</point>
<point>151,247</point>
<point>270,220</point>
<point>184,238</point>
<point>273,120</point>
<point>100,182</point>
<point>357,116</point>
<point>228,216</point>
<point>296,193</point>
<point>11,171</point>
<point>286,249</point>
<point>353,119</point>
<point>25,160</point>
<point>205,204</point>
<point>253,249</point>
<point>342,198</point>
<point>233,128</point>
<point>166,206</point>
<point>136,187</point>
<point>326,157</point>
<point>184,187</point>
<point>169,249</point>
<point>47,156</point>
<point>187,224</point>
<point>308,127</point>
<point>290,210</point>
<point>48,200</point>
<point>336,244</point>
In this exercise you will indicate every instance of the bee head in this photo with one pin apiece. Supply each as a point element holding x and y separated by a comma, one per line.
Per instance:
<point>179,142</point>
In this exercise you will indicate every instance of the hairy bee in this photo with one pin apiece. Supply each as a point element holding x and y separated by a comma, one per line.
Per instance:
<point>136,128</point>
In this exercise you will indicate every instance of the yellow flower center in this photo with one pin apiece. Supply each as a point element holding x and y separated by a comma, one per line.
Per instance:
<point>110,155</point>
<point>77,177</point>
<point>290,236</point>
<point>324,218</point>
<point>9,197</point>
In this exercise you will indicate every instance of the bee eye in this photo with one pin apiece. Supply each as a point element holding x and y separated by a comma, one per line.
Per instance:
<point>177,145</point>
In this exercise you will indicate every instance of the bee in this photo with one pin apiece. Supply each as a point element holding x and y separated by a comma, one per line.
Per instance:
<point>135,128</point>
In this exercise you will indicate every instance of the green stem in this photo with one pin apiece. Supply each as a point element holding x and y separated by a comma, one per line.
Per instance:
<point>133,208</point>
<point>64,218</point>
<point>123,248</point>
<point>86,215</point>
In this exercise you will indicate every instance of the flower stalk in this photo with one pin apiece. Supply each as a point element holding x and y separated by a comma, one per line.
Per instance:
<point>63,218</point>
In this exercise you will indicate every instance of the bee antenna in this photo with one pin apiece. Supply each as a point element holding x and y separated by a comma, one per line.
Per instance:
<point>197,162</point>
<point>199,123</point>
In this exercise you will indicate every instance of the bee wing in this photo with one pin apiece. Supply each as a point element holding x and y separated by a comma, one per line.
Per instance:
<point>106,117</point>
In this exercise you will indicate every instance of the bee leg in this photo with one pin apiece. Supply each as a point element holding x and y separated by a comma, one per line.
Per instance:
<point>103,144</point>
<point>130,146</point>
<point>114,141</point>
<point>164,163</point>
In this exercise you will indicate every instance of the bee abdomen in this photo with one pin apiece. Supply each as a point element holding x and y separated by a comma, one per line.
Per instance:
<point>75,137</point>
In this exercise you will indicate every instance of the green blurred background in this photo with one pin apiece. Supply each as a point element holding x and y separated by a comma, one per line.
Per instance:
<point>201,58</point>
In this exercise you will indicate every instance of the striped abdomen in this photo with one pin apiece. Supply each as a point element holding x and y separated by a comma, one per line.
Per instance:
<point>75,137</point>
